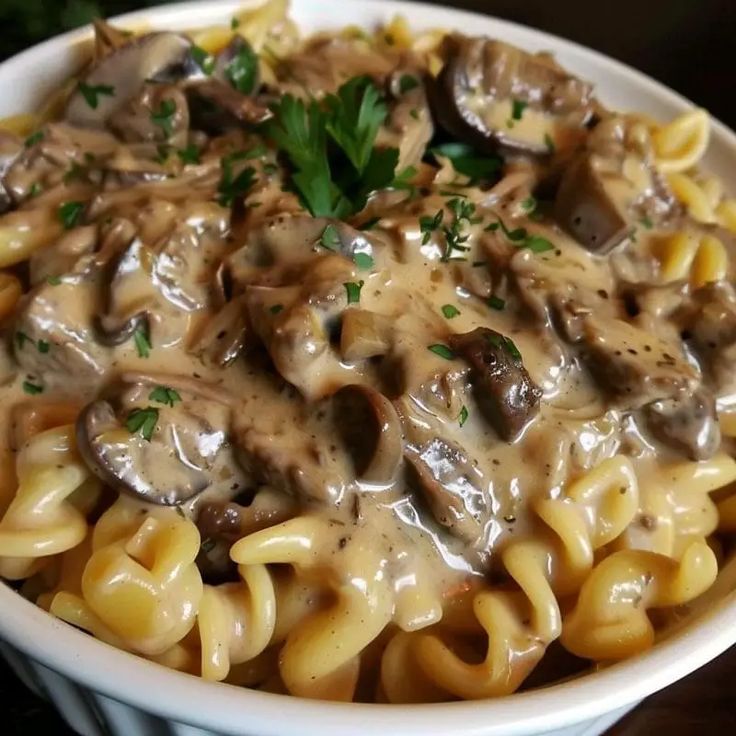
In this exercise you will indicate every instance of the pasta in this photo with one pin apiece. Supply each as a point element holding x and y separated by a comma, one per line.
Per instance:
<point>329,371</point>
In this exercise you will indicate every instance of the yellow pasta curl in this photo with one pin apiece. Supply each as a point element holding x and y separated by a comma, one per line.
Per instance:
<point>680,144</point>
<point>684,256</point>
<point>40,521</point>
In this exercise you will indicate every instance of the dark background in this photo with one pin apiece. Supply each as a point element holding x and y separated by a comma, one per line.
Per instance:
<point>689,45</point>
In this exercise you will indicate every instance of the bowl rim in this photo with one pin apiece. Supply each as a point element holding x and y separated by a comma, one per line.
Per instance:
<point>229,709</point>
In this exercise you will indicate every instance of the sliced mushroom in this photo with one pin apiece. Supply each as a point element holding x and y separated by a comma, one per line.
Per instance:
<point>688,424</point>
<point>452,486</point>
<point>182,450</point>
<point>11,148</point>
<point>122,74</point>
<point>216,106</point>
<point>492,94</point>
<point>370,429</point>
<point>364,334</point>
<point>223,336</point>
<point>504,390</point>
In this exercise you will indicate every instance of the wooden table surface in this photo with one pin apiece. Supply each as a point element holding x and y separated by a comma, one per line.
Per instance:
<point>687,44</point>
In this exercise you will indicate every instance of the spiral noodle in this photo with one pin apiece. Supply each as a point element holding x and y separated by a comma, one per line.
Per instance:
<point>40,521</point>
<point>595,510</point>
<point>141,584</point>
<point>610,620</point>
<point>320,657</point>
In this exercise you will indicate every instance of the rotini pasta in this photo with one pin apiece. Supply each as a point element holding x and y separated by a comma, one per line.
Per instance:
<point>303,390</point>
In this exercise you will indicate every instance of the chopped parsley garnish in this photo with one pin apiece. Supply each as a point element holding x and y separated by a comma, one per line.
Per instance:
<point>70,213</point>
<point>521,238</point>
<point>500,341</point>
<point>34,138</point>
<point>353,291</point>
<point>163,117</point>
<point>450,311</point>
<point>164,395</point>
<point>35,189</point>
<point>142,343</point>
<point>517,109</point>
<point>53,280</point>
<point>335,180</point>
<point>462,211</point>
<point>529,204</point>
<point>242,71</point>
<point>407,83</point>
<point>75,172</point>
<point>428,225</point>
<point>330,238</point>
<point>143,421</point>
<point>205,61</point>
<point>232,187</point>
<point>463,416</point>
<point>442,350</point>
<point>551,148</point>
<point>414,113</point>
<point>43,346</point>
<point>495,302</point>
<point>32,388</point>
<point>21,338</point>
<point>468,162</point>
<point>646,221</point>
<point>92,93</point>
<point>189,155</point>
<point>363,261</point>
<point>276,308</point>
<point>402,180</point>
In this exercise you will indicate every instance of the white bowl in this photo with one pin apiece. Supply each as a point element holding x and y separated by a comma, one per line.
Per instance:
<point>101,690</point>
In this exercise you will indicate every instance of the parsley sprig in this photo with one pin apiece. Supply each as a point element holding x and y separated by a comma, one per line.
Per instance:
<point>330,148</point>
<point>521,238</point>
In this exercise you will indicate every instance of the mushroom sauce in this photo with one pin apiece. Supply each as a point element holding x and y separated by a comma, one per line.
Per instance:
<point>412,327</point>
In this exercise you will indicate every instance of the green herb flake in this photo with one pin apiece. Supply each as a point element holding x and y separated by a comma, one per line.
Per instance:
<point>353,291</point>
<point>43,346</point>
<point>330,238</point>
<point>646,222</point>
<point>53,280</point>
<point>450,311</point>
<point>407,82</point>
<point>165,395</point>
<point>529,204</point>
<point>189,155</point>
<point>463,416</point>
<point>363,261</point>
<point>142,343</point>
<point>234,24</point>
<point>32,388</point>
<point>242,71</point>
<point>517,109</point>
<point>551,148</point>
<point>205,61</point>
<point>428,225</point>
<point>163,116</point>
<point>35,189</point>
<point>92,93</point>
<point>234,187</point>
<point>442,350</point>
<point>468,162</point>
<point>538,244</point>
<point>142,421</point>
<point>414,113</point>
<point>34,138</point>
<point>276,309</point>
<point>21,339</point>
<point>70,213</point>
<point>495,302</point>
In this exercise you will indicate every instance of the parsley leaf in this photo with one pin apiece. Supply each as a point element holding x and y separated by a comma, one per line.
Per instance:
<point>242,71</point>
<point>538,244</point>
<point>363,261</point>
<point>32,388</point>
<point>551,148</point>
<point>164,395</point>
<point>506,343</point>
<point>276,308</point>
<point>143,421</point>
<point>463,416</point>
<point>442,350</point>
<point>43,346</point>
<point>427,225</point>
<point>205,61</point>
<point>529,204</point>
<point>330,238</point>
<point>495,302</point>
<point>450,311</point>
<point>163,117</point>
<point>522,239</point>
<point>142,343</point>
<point>189,155</point>
<point>517,109</point>
<point>407,82</point>
<point>92,93</point>
<point>468,162</point>
<point>69,214</point>
<point>53,280</point>
<point>646,221</point>
<point>232,187</point>
<point>36,137</point>
<point>353,291</point>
